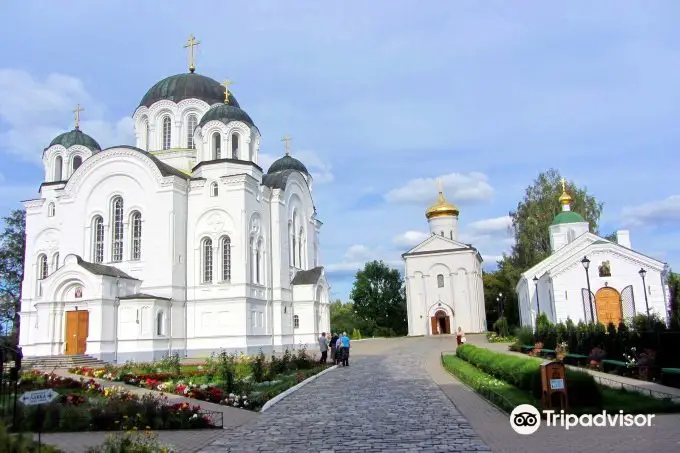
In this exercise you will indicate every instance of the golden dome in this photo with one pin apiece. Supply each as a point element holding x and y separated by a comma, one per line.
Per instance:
<point>442,207</point>
<point>565,198</point>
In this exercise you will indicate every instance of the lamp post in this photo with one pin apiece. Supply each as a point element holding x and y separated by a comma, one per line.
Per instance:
<point>643,273</point>
<point>586,264</point>
<point>538,303</point>
<point>499,299</point>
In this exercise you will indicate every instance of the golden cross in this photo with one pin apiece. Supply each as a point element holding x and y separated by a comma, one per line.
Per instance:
<point>287,140</point>
<point>190,44</point>
<point>440,185</point>
<point>226,84</point>
<point>564,185</point>
<point>77,113</point>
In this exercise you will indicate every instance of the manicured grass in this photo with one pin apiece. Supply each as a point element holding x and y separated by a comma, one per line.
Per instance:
<point>497,391</point>
<point>632,402</point>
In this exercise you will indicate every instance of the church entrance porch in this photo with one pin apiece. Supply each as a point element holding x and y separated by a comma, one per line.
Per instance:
<point>441,323</point>
<point>608,306</point>
<point>77,329</point>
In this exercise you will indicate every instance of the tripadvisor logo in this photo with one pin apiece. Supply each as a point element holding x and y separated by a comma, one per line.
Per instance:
<point>526,419</point>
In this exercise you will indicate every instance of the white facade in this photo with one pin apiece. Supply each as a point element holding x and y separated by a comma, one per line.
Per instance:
<point>616,286</point>
<point>172,245</point>
<point>444,287</point>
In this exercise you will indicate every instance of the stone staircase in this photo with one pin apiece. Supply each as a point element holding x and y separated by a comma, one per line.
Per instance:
<point>60,361</point>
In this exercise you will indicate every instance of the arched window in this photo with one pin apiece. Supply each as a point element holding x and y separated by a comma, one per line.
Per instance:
<point>253,261</point>
<point>98,239</point>
<point>136,225</point>
<point>441,233</point>
<point>50,210</point>
<point>216,146</point>
<point>291,241</point>
<point>117,230</point>
<point>226,258</point>
<point>58,167</point>
<point>296,321</point>
<point>55,261</point>
<point>191,125</point>
<point>77,162</point>
<point>167,132</point>
<point>234,146</point>
<point>160,323</point>
<point>207,260</point>
<point>451,234</point>
<point>43,269</point>
<point>440,281</point>
<point>295,242</point>
<point>214,189</point>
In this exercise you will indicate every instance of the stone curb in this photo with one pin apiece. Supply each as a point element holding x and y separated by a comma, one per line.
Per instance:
<point>282,395</point>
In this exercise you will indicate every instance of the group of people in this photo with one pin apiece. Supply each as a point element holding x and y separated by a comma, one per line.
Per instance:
<point>339,346</point>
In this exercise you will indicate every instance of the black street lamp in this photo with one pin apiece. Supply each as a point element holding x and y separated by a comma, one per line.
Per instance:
<point>499,299</point>
<point>586,264</point>
<point>643,273</point>
<point>538,304</point>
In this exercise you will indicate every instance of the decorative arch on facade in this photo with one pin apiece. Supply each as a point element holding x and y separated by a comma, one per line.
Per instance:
<point>51,209</point>
<point>160,323</point>
<point>58,170</point>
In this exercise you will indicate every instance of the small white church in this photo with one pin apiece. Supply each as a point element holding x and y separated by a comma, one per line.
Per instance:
<point>588,278</point>
<point>181,243</point>
<point>444,287</point>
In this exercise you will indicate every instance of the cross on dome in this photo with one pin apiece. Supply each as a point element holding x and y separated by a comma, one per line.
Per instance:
<point>77,115</point>
<point>287,141</point>
<point>191,42</point>
<point>226,84</point>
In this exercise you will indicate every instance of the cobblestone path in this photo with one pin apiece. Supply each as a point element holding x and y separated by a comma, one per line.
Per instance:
<point>379,404</point>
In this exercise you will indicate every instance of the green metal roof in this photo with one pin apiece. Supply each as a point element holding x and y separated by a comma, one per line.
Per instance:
<point>76,137</point>
<point>187,86</point>
<point>287,162</point>
<point>226,113</point>
<point>568,217</point>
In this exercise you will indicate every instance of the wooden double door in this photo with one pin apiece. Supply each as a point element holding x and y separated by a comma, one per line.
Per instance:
<point>77,327</point>
<point>440,323</point>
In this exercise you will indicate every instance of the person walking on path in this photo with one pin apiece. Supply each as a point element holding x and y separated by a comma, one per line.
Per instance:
<point>334,339</point>
<point>338,351</point>
<point>345,349</point>
<point>323,346</point>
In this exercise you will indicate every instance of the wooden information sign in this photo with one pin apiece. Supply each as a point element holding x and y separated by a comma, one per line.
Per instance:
<point>554,386</point>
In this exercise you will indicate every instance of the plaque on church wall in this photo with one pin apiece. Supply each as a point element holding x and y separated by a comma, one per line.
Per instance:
<point>79,293</point>
<point>604,269</point>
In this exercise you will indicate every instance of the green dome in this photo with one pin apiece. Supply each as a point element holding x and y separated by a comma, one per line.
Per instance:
<point>287,163</point>
<point>187,86</point>
<point>568,217</point>
<point>226,113</point>
<point>76,137</point>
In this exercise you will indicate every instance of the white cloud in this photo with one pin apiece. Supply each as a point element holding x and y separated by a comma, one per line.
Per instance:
<point>356,257</point>
<point>491,260</point>
<point>359,252</point>
<point>36,111</point>
<point>321,171</point>
<point>410,238</point>
<point>494,225</point>
<point>458,188</point>
<point>666,211</point>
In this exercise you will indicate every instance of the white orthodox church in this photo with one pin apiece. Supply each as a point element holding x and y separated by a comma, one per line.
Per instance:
<point>588,278</point>
<point>444,287</point>
<point>179,244</point>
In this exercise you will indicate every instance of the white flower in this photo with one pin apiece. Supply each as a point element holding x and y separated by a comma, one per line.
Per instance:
<point>231,395</point>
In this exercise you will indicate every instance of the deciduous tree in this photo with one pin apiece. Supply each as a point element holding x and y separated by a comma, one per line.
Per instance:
<point>12,247</point>
<point>536,211</point>
<point>379,295</point>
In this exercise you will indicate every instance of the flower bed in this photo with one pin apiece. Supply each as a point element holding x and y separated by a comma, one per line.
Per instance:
<point>84,405</point>
<point>227,379</point>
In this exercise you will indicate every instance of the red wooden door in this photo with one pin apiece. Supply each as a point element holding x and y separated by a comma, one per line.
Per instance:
<point>447,328</point>
<point>77,330</point>
<point>433,322</point>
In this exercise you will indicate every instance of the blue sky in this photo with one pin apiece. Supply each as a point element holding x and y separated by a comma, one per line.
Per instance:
<point>381,98</point>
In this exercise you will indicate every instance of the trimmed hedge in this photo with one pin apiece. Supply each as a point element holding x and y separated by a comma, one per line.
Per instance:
<point>525,374</point>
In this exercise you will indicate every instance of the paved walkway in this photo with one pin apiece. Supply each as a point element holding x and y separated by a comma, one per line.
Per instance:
<point>384,402</point>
